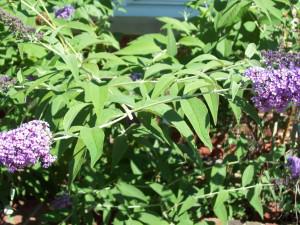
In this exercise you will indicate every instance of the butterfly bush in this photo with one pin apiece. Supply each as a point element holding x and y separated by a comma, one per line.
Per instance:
<point>277,84</point>
<point>294,166</point>
<point>26,145</point>
<point>18,27</point>
<point>65,12</point>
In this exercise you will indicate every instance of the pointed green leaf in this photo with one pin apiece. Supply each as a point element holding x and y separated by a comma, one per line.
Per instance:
<point>220,208</point>
<point>267,6</point>
<point>151,219</point>
<point>248,175</point>
<point>235,87</point>
<point>254,199</point>
<point>156,68</point>
<point>250,50</point>
<point>131,191</point>
<point>232,14</point>
<point>171,45</point>
<point>72,113</point>
<point>93,139</point>
<point>144,45</point>
<point>212,101</point>
<point>162,84</point>
<point>78,160</point>
<point>197,113</point>
<point>72,63</point>
<point>97,95</point>
<point>119,149</point>
<point>187,204</point>
<point>58,103</point>
<point>217,177</point>
<point>191,41</point>
<point>173,118</point>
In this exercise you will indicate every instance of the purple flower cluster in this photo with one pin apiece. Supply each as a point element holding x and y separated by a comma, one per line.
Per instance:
<point>278,84</point>
<point>26,145</point>
<point>6,82</point>
<point>280,59</point>
<point>136,76</point>
<point>61,201</point>
<point>294,166</point>
<point>18,27</point>
<point>65,12</point>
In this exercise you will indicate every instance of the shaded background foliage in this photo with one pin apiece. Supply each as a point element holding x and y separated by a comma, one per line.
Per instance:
<point>161,131</point>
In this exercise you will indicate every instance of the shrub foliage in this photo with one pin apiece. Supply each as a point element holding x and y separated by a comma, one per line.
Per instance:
<point>161,131</point>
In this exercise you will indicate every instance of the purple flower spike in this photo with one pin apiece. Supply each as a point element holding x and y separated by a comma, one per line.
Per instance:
<point>26,145</point>
<point>6,82</point>
<point>61,201</point>
<point>277,85</point>
<point>136,76</point>
<point>294,166</point>
<point>18,27</point>
<point>65,12</point>
<point>280,59</point>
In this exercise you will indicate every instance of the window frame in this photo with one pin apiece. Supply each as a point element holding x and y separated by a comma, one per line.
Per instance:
<point>156,2</point>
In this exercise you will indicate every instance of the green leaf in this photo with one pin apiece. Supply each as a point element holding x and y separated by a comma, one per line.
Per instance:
<point>72,113</point>
<point>161,86</point>
<point>217,177</point>
<point>247,108</point>
<point>38,82</point>
<point>197,113</point>
<point>119,149</point>
<point>32,50</point>
<point>236,111</point>
<point>234,88</point>
<point>156,68</point>
<point>172,117</point>
<point>225,47</point>
<point>187,204</point>
<point>84,40</point>
<point>58,102</point>
<point>151,219</point>
<point>133,222</point>
<point>108,57</point>
<point>232,14</point>
<point>166,194</point>
<point>171,45</point>
<point>220,208</point>
<point>253,196</point>
<point>203,58</point>
<point>78,26</point>
<point>135,170</point>
<point>144,45</point>
<point>78,160</point>
<point>250,50</point>
<point>20,76</point>
<point>178,25</point>
<point>248,175</point>
<point>206,85</point>
<point>249,26</point>
<point>191,41</point>
<point>212,101</point>
<point>268,7</point>
<point>93,139</point>
<point>131,191</point>
<point>72,63</point>
<point>97,95</point>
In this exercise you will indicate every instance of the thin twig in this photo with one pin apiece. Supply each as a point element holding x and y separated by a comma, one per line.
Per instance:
<point>288,124</point>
